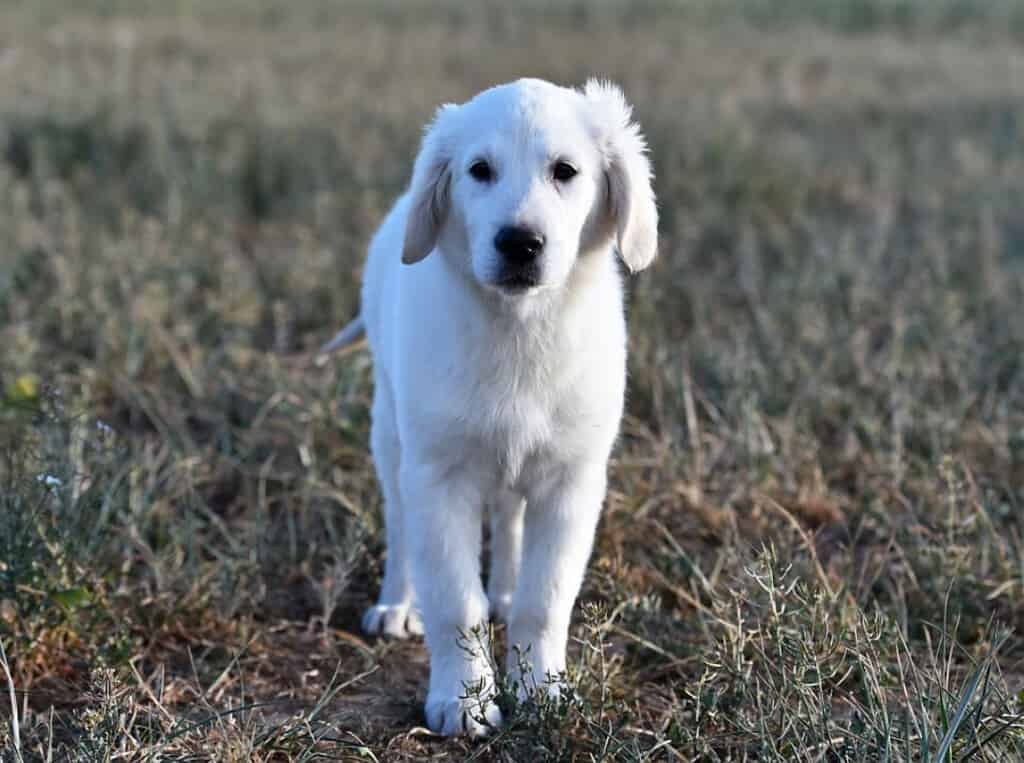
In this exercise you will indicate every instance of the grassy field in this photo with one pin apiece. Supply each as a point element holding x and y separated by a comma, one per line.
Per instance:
<point>813,544</point>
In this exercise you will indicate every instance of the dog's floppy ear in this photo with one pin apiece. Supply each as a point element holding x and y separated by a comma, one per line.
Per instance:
<point>630,206</point>
<point>431,176</point>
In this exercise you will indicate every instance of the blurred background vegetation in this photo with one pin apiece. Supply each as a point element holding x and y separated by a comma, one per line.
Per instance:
<point>812,546</point>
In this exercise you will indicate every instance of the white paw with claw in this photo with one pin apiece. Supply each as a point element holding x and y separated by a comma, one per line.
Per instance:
<point>394,620</point>
<point>534,676</point>
<point>553,687</point>
<point>467,713</point>
<point>462,691</point>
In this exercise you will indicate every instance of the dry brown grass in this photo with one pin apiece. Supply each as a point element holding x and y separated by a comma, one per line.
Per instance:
<point>812,546</point>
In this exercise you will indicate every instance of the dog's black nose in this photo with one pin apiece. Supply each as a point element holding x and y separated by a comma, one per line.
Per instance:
<point>519,245</point>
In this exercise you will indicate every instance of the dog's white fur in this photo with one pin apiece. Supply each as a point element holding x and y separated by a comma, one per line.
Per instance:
<point>508,399</point>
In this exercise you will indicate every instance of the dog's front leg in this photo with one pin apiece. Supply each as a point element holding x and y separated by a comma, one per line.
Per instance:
<point>561,515</point>
<point>444,514</point>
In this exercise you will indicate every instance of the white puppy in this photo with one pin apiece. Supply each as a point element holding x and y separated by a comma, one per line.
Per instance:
<point>499,353</point>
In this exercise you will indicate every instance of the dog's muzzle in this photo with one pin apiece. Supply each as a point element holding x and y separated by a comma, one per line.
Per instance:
<point>520,250</point>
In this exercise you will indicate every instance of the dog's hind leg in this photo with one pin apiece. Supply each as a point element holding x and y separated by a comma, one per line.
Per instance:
<point>506,514</point>
<point>395,613</point>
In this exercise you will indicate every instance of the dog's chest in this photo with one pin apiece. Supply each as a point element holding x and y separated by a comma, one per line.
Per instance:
<point>522,403</point>
<point>512,392</point>
<point>513,399</point>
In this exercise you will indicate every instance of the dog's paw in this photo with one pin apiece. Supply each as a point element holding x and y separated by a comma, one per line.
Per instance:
<point>532,682</point>
<point>393,620</point>
<point>472,716</point>
<point>552,688</point>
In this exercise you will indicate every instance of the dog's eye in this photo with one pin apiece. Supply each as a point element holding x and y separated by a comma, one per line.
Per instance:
<point>481,170</point>
<point>563,171</point>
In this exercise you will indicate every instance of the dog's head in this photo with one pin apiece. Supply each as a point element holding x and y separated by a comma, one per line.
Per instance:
<point>518,183</point>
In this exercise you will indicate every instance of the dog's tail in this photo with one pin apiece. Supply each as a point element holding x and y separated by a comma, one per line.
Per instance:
<point>352,334</point>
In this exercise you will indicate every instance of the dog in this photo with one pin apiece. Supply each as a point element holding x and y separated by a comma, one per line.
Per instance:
<point>493,307</point>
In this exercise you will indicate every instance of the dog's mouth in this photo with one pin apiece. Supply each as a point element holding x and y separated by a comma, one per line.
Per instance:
<point>518,280</point>
<point>516,284</point>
